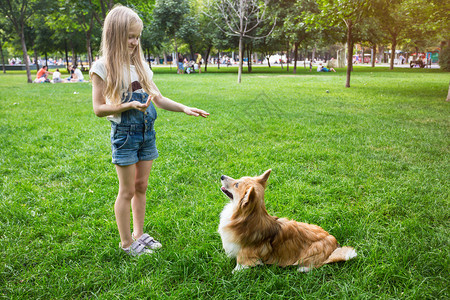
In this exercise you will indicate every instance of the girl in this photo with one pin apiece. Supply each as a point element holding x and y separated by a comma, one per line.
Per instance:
<point>123,91</point>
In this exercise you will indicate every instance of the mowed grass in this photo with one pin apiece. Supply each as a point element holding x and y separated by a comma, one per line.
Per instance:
<point>370,164</point>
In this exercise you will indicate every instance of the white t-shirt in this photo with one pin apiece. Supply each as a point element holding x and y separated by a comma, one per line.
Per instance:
<point>79,74</point>
<point>99,68</point>
<point>56,75</point>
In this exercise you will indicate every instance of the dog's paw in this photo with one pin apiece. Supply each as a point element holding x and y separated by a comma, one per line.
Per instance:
<point>304,269</point>
<point>239,267</point>
<point>350,254</point>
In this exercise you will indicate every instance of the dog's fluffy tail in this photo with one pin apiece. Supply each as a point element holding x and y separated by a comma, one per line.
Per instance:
<point>341,254</point>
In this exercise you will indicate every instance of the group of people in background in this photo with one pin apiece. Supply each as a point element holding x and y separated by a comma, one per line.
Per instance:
<point>75,75</point>
<point>321,68</point>
<point>185,66</point>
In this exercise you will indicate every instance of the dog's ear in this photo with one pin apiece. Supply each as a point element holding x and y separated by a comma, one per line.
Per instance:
<point>263,178</point>
<point>249,196</point>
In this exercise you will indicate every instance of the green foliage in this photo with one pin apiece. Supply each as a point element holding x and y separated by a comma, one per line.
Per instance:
<point>340,13</point>
<point>369,164</point>
<point>54,26</point>
<point>168,17</point>
<point>444,58</point>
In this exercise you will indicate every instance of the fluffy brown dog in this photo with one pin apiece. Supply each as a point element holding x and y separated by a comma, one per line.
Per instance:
<point>254,237</point>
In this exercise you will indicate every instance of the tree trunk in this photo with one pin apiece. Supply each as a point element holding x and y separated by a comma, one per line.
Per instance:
<point>287,57</point>
<point>149,60</point>
<point>74,57</point>
<point>394,45</point>
<point>295,57</point>
<point>268,60</point>
<point>191,48</point>
<point>350,52</point>
<point>88,41</point>
<point>313,56</point>
<point>305,56</point>
<point>36,59</point>
<point>3,58</point>
<point>20,32</point>
<point>88,45</point>
<point>25,59</point>
<point>218,59</point>
<point>374,55</point>
<point>448,95</point>
<point>67,56</point>
<point>249,58</point>
<point>241,56</point>
<point>176,53</point>
<point>241,37</point>
<point>281,60</point>
<point>208,51</point>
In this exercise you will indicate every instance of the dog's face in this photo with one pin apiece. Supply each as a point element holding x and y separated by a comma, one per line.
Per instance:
<point>245,191</point>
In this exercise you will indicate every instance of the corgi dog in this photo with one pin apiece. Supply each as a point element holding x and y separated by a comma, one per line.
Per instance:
<point>254,237</point>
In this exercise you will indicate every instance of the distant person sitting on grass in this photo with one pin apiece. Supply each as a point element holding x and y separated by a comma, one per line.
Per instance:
<point>77,75</point>
<point>71,71</point>
<point>42,75</point>
<point>124,92</point>
<point>56,76</point>
<point>321,68</point>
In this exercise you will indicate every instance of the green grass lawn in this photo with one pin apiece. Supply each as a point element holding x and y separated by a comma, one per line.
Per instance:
<point>370,164</point>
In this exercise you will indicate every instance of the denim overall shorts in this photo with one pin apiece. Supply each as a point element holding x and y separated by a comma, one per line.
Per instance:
<point>134,138</point>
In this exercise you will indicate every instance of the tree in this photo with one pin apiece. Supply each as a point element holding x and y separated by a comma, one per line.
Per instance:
<point>430,26</point>
<point>39,36</point>
<point>4,36</point>
<point>212,35</point>
<point>104,6</point>
<point>199,32</point>
<point>294,26</point>
<point>370,35</point>
<point>190,34</point>
<point>168,18</point>
<point>348,12</point>
<point>394,21</point>
<point>18,13</point>
<point>149,40</point>
<point>268,45</point>
<point>69,18</point>
<point>241,18</point>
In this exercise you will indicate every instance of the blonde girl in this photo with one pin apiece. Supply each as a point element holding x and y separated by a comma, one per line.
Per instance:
<point>124,92</point>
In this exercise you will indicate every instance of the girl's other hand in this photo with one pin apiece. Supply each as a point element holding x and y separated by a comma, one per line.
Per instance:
<point>192,111</point>
<point>141,106</point>
<point>149,100</point>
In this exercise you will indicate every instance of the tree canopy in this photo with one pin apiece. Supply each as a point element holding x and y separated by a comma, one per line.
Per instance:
<point>37,28</point>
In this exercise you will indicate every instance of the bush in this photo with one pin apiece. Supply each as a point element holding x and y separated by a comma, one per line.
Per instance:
<point>444,58</point>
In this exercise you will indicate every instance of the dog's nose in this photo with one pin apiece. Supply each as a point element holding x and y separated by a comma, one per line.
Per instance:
<point>222,177</point>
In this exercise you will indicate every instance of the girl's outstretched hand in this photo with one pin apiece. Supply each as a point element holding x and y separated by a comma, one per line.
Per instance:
<point>192,111</point>
<point>141,106</point>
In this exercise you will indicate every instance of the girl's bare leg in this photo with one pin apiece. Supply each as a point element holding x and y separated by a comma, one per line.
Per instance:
<point>138,202</point>
<point>126,175</point>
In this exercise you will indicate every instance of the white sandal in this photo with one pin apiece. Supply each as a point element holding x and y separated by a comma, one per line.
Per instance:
<point>147,241</point>
<point>136,249</point>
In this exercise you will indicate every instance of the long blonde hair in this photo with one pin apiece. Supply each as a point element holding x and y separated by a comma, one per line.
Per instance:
<point>114,49</point>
